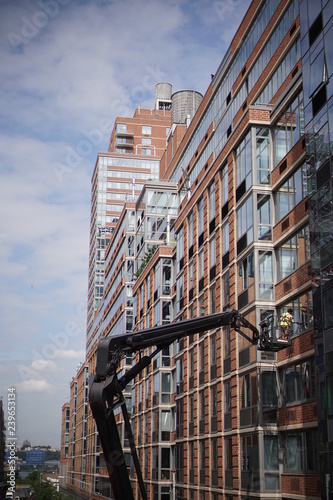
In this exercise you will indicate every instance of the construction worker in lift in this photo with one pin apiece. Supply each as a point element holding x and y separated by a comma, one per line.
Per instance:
<point>285,324</point>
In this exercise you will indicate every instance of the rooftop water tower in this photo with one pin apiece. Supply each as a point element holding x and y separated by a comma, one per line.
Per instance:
<point>184,105</point>
<point>163,93</point>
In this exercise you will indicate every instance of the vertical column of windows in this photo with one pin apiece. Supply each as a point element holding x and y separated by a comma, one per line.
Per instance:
<point>201,305</point>
<point>245,224</point>
<point>213,408</point>
<point>201,265</point>
<point>212,298</point>
<point>264,218</point>
<point>166,290</point>
<point>180,375</point>
<point>293,253</point>
<point>250,479</point>
<point>191,368</point>
<point>269,390</point>
<point>180,265</point>
<point>200,214</point>
<point>141,299</point>
<point>190,275</point>
<point>225,191</point>
<point>244,166</point>
<point>180,293</point>
<point>201,362</point>
<point>225,245</point>
<point>214,462</point>
<point>190,269</point>
<point>165,463</point>
<point>248,403</point>
<point>190,234</point>
<point>213,353</point>
<point>228,479</point>
<point>148,290</point>
<point>288,129</point>
<point>226,338</point>
<point>211,207</point>
<point>201,269</point>
<point>202,461</point>
<point>212,250</point>
<point>266,282</point>
<point>166,312</point>
<point>227,404</point>
<point>212,201</point>
<point>212,256</point>
<point>180,249</point>
<point>263,155</point>
<point>291,193</point>
<point>191,461</point>
<point>201,412</point>
<point>271,463</point>
<point>246,281</point>
<point>226,289</point>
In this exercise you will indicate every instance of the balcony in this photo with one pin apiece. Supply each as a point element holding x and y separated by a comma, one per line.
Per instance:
<point>122,142</point>
<point>123,131</point>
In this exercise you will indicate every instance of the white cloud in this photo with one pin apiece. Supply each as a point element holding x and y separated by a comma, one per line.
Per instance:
<point>70,354</point>
<point>43,365</point>
<point>35,385</point>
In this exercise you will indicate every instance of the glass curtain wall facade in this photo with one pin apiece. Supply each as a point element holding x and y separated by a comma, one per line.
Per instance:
<point>317,58</point>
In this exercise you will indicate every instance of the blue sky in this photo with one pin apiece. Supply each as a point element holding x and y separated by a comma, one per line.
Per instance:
<point>68,68</point>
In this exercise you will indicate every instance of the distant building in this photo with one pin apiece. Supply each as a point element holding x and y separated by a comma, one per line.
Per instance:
<point>35,457</point>
<point>136,147</point>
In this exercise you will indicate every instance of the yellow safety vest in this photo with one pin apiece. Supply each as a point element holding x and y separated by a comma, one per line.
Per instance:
<point>285,319</point>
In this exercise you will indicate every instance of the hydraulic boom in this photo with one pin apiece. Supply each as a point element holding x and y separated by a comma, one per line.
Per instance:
<point>106,389</point>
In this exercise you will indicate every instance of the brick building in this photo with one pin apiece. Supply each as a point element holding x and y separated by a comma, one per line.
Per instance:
<point>213,417</point>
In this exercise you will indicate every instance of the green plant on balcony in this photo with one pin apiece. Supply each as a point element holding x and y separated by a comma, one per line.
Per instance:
<point>147,256</point>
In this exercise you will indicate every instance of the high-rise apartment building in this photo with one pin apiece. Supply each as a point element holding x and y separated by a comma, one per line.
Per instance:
<point>136,146</point>
<point>250,174</point>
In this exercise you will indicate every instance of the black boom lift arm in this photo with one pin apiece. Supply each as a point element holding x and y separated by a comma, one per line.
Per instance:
<point>106,389</point>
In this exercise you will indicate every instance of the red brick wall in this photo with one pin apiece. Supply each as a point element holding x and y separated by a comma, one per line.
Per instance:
<point>308,486</point>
